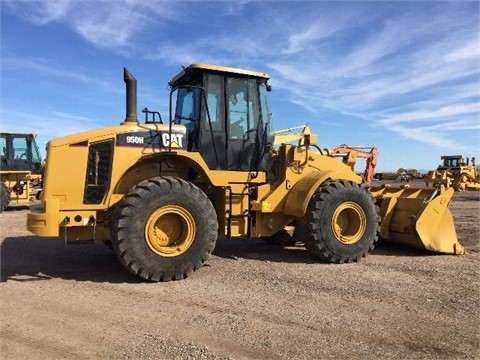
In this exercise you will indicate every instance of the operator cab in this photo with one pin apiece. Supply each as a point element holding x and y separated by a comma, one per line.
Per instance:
<point>19,152</point>
<point>226,114</point>
<point>454,161</point>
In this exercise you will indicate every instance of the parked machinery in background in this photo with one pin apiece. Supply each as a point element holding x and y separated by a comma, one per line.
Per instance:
<point>402,174</point>
<point>21,169</point>
<point>455,171</point>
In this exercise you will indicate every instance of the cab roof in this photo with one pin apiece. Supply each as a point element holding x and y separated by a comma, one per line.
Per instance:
<point>217,69</point>
<point>3,133</point>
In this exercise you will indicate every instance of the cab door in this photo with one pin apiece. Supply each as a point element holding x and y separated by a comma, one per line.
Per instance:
<point>232,135</point>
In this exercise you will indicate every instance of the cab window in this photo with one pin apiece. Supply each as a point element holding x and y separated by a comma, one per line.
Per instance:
<point>243,109</point>
<point>214,113</point>
<point>20,149</point>
<point>185,110</point>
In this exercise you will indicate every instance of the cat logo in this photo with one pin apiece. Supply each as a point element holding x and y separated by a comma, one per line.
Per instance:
<point>176,140</point>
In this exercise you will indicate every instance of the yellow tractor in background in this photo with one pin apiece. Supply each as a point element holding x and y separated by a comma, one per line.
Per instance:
<point>162,193</point>
<point>457,172</point>
<point>21,169</point>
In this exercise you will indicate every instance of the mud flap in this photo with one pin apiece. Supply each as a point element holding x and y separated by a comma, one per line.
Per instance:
<point>418,218</point>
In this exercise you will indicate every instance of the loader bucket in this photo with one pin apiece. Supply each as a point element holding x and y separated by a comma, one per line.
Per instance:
<point>418,218</point>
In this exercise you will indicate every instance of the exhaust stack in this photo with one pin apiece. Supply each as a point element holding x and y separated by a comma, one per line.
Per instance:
<point>131,92</point>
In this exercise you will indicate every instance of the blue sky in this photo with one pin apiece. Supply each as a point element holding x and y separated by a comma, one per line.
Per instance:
<point>400,75</point>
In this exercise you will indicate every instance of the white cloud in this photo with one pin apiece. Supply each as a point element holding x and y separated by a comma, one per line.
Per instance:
<point>429,136</point>
<point>67,116</point>
<point>180,56</point>
<point>299,41</point>
<point>466,51</point>
<point>104,34</point>
<point>410,70</point>
<point>43,66</point>
<point>46,124</point>
<point>50,68</point>
<point>44,12</point>
<point>105,24</point>
<point>433,114</point>
<point>471,123</point>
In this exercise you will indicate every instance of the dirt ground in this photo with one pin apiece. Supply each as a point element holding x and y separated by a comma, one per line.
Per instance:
<point>252,300</point>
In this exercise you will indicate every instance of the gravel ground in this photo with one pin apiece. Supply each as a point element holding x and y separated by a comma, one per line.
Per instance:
<point>252,300</point>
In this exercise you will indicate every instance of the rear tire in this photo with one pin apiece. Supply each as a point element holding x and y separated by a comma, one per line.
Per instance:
<point>164,229</point>
<point>4,197</point>
<point>342,222</point>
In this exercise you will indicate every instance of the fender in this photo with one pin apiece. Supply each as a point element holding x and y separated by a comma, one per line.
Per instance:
<point>136,171</point>
<point>301,193</point>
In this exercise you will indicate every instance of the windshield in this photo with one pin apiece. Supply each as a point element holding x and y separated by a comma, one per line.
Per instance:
<point>185,109</point>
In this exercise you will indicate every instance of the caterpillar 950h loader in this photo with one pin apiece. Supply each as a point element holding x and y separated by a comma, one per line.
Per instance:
<point>162,193</point>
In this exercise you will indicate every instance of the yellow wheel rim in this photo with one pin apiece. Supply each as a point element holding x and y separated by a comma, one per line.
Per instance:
<point>170,231</point>
<point>349,222</point>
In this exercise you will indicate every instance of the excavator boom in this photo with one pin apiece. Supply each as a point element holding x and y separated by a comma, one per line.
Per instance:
<point>351,153</point>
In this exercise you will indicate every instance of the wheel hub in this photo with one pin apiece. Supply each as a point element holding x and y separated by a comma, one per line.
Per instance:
<point>170,231</point>
<point>349,222</point>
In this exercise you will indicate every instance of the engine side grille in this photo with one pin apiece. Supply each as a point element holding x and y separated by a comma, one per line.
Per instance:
<point>99,170</point>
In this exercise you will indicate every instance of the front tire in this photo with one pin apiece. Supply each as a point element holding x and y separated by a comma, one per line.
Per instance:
<point>342,222</point>
<point>164,229</point>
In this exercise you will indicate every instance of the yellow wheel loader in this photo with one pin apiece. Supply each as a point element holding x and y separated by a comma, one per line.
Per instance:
<point>21,169</point>
<point>162,193</point>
